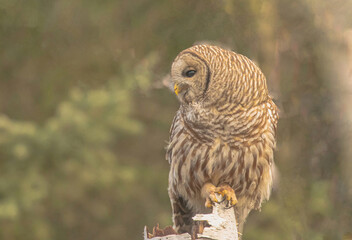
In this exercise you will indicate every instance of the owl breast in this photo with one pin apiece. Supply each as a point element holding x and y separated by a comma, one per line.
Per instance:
<point>208,156</point>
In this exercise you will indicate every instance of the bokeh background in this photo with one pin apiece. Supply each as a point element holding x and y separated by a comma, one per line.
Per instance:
<point>84,114</point>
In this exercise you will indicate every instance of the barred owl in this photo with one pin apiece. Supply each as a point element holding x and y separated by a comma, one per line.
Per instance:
<point>223,135</point>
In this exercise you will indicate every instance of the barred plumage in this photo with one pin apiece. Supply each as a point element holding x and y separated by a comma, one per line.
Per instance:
<point>223,133</point>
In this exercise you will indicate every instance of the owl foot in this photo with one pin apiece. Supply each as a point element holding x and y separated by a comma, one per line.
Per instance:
<point>210,192</point>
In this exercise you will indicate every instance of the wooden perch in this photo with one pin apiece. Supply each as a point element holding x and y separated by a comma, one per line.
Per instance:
<point>222,223</point>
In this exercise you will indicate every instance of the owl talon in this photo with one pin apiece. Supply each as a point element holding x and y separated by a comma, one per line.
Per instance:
<point>228,193</point>
<point>209,192</point>
<point>210,200</point>
<point>208,203</point>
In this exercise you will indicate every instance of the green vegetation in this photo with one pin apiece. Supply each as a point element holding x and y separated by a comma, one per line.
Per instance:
<point>84,120</point>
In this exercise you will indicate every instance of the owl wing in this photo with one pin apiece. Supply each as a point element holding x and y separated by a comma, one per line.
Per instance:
<point>181,214</point>
<point>175,123</point>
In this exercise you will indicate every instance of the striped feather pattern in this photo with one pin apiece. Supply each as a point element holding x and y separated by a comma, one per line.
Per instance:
<point>224,132</point>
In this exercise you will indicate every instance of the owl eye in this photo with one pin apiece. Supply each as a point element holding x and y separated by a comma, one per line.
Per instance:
<point>190,73</point>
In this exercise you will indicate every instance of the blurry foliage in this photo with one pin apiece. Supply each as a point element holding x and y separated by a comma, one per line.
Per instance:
<point>83,120</point>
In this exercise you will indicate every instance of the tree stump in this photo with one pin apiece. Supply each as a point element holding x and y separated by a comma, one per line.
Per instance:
<point>222,223</point>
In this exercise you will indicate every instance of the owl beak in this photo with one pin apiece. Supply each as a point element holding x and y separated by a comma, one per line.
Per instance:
<point>176,88</point>
<point>180,88</point>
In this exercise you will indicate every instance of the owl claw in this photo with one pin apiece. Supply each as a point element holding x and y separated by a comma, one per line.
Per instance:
<point>210,200</point>
<point>208,203</point>
<point>209,191</point>
<point>228,194</point>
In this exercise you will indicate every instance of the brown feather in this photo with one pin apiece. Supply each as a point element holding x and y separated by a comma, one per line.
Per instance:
<point>224,132</point>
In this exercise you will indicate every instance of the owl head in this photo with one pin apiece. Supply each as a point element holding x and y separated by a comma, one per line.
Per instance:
<point>213,76</point>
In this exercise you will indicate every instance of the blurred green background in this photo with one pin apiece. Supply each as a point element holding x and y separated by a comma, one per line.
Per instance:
<point>84,115</point>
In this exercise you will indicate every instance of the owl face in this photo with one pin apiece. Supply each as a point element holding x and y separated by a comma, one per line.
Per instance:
<point>190,76</point>
<point>216,77</point>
